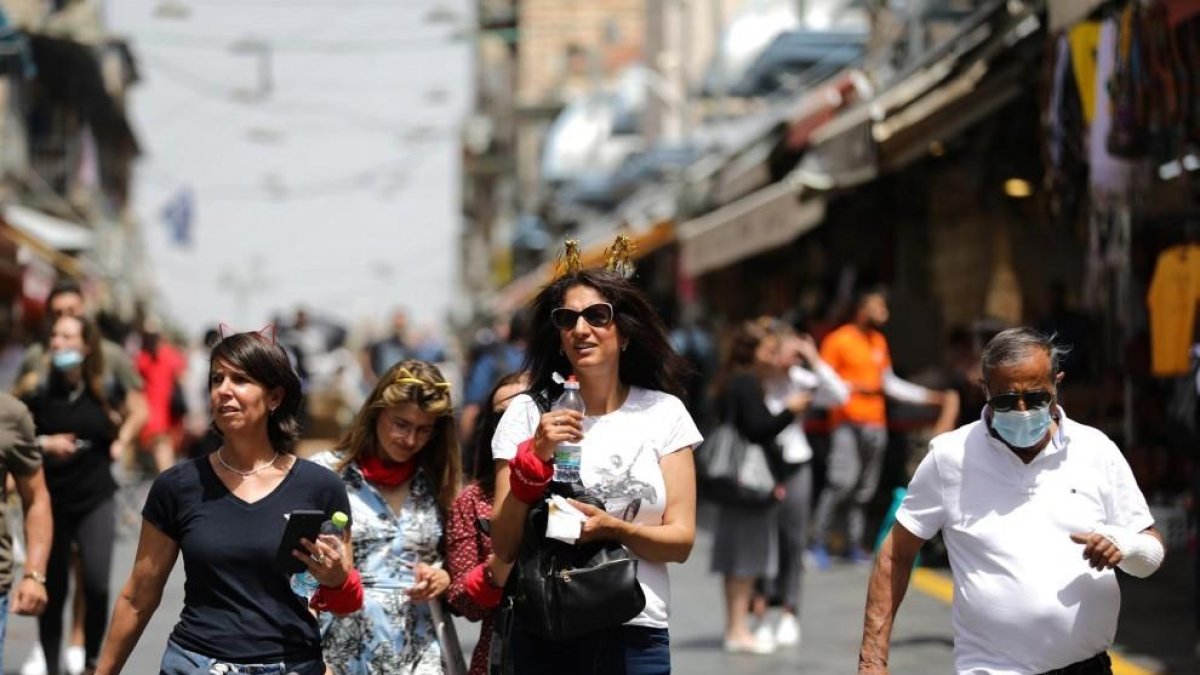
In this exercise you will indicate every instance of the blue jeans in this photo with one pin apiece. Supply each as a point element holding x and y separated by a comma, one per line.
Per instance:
<point>179,661</point>
<point>627,650</point>
<point>3,624</point>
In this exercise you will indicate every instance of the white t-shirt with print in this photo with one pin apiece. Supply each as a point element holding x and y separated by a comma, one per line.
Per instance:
<point>621,453</point>
<point>1025,600</point>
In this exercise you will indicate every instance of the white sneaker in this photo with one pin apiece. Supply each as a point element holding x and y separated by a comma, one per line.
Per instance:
<point>756,647</point>
<point>75,658</point>
<point>35,663</point>
<point>787,631</point>
<point>764,634</point>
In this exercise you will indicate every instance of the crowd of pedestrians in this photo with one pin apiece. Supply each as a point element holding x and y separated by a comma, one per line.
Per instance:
<point>460,502</point>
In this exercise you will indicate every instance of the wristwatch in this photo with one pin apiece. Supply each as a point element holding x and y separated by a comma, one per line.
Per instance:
<point>36,576</point>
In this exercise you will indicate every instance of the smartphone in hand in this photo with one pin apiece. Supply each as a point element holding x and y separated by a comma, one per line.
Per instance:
<point>301,524</point>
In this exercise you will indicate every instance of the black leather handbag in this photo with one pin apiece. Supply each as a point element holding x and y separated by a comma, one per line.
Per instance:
<point>562,592</point>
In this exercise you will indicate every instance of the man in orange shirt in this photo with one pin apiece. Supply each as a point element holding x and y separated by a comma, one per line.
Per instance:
<point>858,351</point>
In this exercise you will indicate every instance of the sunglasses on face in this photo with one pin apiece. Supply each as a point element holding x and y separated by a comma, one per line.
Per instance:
<point>598,315</point>
<point>1034,400</point>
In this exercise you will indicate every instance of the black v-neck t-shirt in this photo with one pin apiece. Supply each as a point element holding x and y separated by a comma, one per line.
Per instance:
<point>238,606</point>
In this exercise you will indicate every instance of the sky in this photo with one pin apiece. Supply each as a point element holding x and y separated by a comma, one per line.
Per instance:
<point>337,189</point>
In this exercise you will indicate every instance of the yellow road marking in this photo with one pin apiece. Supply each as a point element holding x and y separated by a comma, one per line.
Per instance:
<point>940,587</point>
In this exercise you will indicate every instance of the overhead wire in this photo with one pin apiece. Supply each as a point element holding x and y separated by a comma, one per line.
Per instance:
<point>201,85</point>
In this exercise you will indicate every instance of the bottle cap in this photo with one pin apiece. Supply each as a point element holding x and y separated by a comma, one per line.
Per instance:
<point>339,519</point>
<point>571,382</point>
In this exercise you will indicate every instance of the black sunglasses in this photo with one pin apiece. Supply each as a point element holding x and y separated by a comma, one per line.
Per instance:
<point>598,315</point>
<point>1034,400</point>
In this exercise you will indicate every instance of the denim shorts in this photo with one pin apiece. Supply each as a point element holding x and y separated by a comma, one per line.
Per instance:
<point>179,661</point>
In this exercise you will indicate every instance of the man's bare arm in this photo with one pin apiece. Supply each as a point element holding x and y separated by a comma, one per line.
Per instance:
<point>885,591</point>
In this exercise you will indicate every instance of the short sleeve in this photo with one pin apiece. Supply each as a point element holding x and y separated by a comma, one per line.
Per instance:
<point>681,431</point>
<point>923,512</point>
<point>1125,505</point>
<point>516,426</point>
<point>162,504</point>
<point>24,457</point>
<point>338,499</point>
<point>326,484</point>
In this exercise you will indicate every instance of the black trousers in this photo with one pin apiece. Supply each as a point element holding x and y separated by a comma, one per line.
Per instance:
<point>1099,664</point>
<point>93,533</point>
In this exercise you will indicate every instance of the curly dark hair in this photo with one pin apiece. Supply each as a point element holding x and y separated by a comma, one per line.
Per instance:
<point>649,361</point>
<point>266,363</point>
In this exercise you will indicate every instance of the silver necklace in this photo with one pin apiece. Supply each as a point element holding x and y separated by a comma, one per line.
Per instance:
<point>251,472</point>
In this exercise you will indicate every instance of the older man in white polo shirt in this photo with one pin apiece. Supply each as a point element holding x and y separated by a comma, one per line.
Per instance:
<point>1036,511</point>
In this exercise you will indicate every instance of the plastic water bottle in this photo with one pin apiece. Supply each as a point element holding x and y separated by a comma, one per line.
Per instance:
<point>568,456</point>
<point>304,584</point>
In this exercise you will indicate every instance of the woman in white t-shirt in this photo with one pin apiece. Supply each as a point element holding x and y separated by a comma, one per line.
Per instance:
<point>637,441</point>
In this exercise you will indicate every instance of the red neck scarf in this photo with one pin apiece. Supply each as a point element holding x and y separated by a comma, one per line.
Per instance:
<point>385,473</point>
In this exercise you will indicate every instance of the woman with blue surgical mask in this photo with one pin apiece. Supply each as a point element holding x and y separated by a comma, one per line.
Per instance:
<point>77,415</point>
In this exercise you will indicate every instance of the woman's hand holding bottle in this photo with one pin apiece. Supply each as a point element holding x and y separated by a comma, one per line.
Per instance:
<point>557,426</point>
<point>326,560</point>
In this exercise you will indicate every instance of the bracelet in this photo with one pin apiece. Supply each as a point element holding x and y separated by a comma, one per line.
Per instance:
<point>36,576</point>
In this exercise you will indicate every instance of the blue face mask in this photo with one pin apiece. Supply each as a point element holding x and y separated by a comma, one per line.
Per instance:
<point>1022,428</point>
<point>65,359</point>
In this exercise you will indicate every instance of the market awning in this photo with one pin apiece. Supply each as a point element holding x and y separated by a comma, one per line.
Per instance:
<point>769,218</point>
<point>958,83</point>
<point>56,233</point>
<point>821,104</point>
<point>521,290</point>
<point>946,112</point>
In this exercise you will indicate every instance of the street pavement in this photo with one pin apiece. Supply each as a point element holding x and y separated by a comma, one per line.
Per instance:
<point>831,620</point>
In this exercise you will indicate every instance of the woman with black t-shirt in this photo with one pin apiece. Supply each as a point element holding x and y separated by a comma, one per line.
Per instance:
<point>77,424</point>
<point>225,513</point>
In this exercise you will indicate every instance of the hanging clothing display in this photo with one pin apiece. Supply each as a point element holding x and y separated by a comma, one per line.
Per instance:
<point>1108,173</point>
<point>1084,39</point>
<point>1174,291</point>
<point>1066,133</point>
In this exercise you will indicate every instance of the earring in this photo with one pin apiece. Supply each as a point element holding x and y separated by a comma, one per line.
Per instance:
<point>625,346</point>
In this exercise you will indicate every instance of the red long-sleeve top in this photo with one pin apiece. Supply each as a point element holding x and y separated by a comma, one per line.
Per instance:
<point>466,550</point>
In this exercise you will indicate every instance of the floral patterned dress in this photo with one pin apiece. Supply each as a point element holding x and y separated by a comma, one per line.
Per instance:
<point>389,635</point>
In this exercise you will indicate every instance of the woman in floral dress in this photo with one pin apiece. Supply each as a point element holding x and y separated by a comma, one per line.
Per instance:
<point>400,464</point>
